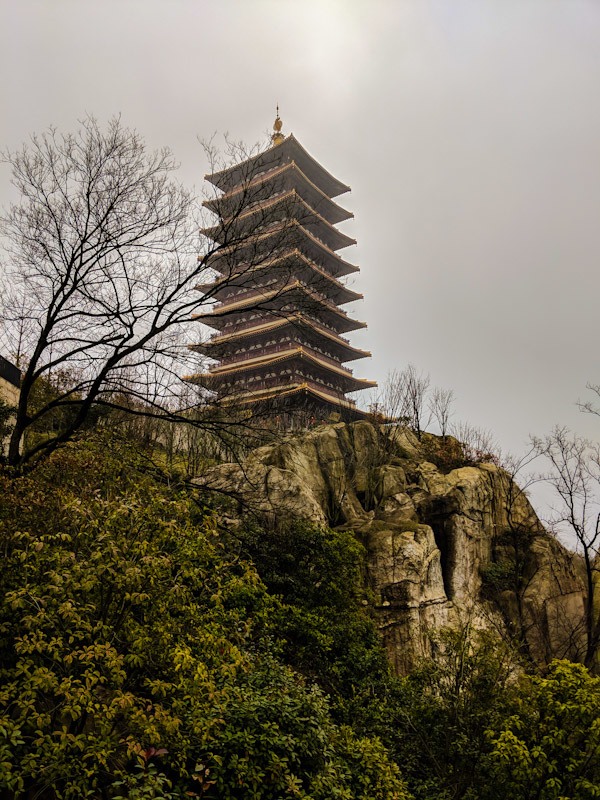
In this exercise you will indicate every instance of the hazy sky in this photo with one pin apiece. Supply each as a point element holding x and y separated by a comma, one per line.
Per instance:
<point>469,131</point>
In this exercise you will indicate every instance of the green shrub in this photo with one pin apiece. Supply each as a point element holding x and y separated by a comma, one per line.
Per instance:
<point>320,619</point>
<point>405,525</point>
<point>549,747</point>
<point>497,577</point>
<point>134,659</point>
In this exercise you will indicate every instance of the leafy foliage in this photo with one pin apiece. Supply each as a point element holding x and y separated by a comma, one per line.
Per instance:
<point>550,746</point>
<point>435,720</point>
<point>133,663</point>
<point>6,414</point>
<point>468,724</point>
<point>145,653</point>
<point>320,619</point>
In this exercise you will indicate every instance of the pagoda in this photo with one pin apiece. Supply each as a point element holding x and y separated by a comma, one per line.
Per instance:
<point>278,286</point>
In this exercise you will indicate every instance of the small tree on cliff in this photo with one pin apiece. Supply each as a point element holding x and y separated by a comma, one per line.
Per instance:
<point>440,407</point>
<point>404,397</point>
<point>575,477</point>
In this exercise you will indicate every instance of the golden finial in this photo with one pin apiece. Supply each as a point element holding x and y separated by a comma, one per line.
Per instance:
<point>277,137</point>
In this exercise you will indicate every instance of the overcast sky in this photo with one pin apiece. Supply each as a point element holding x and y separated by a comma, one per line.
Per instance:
<point>469,131</point>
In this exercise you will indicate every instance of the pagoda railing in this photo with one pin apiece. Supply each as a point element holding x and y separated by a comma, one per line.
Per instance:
<point>280,291</point>
<point>266,315</point>
<point>239,358</point>
<point>319,387</point>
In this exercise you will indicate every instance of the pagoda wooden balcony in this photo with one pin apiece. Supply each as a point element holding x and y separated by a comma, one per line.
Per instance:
<point>238,358</point>
<point>294,265</point>
<point>342,378</point>
<point>298,317</point>
<point>224,346</point>
<point>262,318</point>
<point>333,292</point>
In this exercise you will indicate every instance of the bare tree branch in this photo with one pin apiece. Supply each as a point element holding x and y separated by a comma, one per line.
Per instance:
<point>574,475</point>
<point>105,271</point>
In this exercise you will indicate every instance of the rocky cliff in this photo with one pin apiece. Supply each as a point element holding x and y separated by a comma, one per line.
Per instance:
<point>443,544</point>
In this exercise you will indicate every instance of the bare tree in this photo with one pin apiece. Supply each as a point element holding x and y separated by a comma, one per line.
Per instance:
<point>575,477</point>
<point>590,406</point>
<point>104,271</point>
<point>476,443</point>
<point>388,399</point>
<point>440,407</point>
<point>416,385</point>
<point>97,273</point>
<point>403,397</point>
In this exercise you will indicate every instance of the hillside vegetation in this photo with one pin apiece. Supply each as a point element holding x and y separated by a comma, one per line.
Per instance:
<point>151,648</point>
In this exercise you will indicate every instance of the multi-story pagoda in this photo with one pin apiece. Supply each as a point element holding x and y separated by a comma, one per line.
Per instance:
<point>278,314</point>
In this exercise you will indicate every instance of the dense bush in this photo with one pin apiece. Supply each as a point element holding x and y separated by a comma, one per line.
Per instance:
<point>132,663</point>
<point>469,723</point>
<point>6,414</point>
<point>549,747</point>
<point>316,577</point>
<point>145,652</point>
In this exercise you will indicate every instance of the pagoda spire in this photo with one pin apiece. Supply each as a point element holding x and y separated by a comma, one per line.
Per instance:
<point>277,136</point>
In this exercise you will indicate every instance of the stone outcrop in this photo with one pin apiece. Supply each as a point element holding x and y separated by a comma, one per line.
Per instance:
<point>443,545</point>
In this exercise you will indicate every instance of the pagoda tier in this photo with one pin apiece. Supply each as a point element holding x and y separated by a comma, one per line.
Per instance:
<point>295,395</point>
<point>277,285</point>
<point>281,332</point>
<point>286,178</point>
<point>281,301</point>
<point>278,272</point>
<point>288,206</point>
<point>299,362</point>
<point>281,152</point>
<point>279,240</point>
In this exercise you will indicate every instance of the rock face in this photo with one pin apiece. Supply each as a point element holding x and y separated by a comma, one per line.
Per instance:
<point>442,545</point>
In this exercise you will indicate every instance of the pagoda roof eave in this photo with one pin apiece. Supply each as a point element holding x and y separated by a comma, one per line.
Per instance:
<point>290,145</point>
<point>337,212</point>
<point>217,323</point>
<point>214,383</point>
<point>229,280</point>
<point>283,392</point>
<point>344,267</point>
<point>258,301</point>
<point>339,239</point>
<point>289,196</point>
<point>347,295</point>
<point>214,375</point>
<point>266,327</point>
